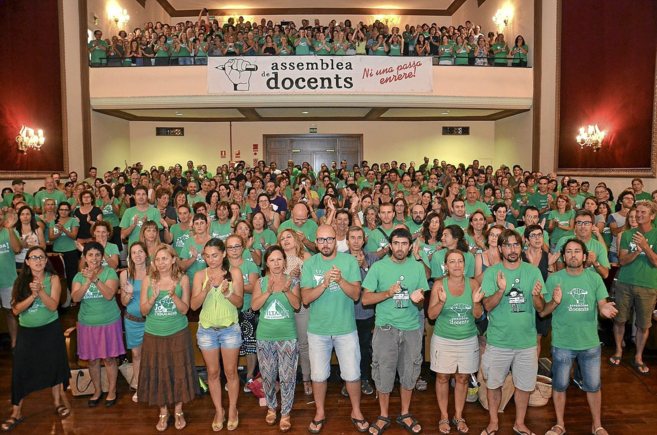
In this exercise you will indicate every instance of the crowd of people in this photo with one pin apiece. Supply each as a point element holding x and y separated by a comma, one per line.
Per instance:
<point>188,43</point>
<point>286,265</point>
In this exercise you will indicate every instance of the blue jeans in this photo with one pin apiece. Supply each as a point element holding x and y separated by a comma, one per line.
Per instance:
<point>588,361</point>
<point>347,350</point>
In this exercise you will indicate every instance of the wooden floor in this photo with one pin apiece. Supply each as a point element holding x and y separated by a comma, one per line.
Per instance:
<point>629,407</point>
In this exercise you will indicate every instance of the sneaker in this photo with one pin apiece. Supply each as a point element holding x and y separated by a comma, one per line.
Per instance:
<point>247,386</point>
<point>344,391</point>
<point>421,384</point>
<point>366,388</point>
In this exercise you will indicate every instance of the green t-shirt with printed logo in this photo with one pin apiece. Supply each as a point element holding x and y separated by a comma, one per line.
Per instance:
<point>333,312</point>
<point>575,320</point>
<point>41,196</point>
<point>378,239</point>
<point>95,310</point>
<point>150,214</point>
<point>64,243</point>
<point>220,231</point>
<point>179,236</point>
<point>38,314</point>
<point>164,319</point>
<point>108,211</point>
<point>640,272</point>
<point>7,260</point>
<point>276,318</point>
<point>512,323</point>
<point>456,320</point>
<point>398,311</point>
<point>199,261</point>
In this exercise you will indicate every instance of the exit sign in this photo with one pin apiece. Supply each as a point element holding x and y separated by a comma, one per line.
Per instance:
<point>313,130</point>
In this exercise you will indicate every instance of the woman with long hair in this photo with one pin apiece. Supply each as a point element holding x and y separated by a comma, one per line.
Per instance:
<point>29,232</point>
<point>149,235</point>
<point>218,290</point>
<point>167,375</point>
<point>452,237</point>
<point>295,255</point>
<point>130,284</point>
<point>561,220</point>
<point>430,236</point>
<point>263,237</point>
<point>277,296</point>
<point>491,255</point>
<point>475,232</point>
<point>100,335</point>
<point>455,304</point>
<point>39,358</point>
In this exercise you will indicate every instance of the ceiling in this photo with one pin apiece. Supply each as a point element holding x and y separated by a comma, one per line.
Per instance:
<point>338,4</point>
<point>246,114</point>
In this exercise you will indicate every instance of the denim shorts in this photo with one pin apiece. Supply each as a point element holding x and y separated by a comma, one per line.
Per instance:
<point>588,362</point>
<point>215,338</point>
<point>346,349</point>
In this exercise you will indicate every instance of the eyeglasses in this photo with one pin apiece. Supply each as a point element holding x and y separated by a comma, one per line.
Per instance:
<point>536,235</point>
<point>583,223</point>
<point>233,247</point>
<point>325,239</point>
<point>36,257</point>
<point>511,245</point>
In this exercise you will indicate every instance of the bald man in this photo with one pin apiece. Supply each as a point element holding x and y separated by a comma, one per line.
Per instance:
<point>305,227</point>
<point>330,284</point>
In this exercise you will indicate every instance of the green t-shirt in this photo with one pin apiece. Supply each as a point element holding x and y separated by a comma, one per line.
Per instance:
<point>97,55</point>
<point>309,228</point>
<point>439,268</point>
<point>461,222</point>
<point>264,238</point>
<point>377,240</point>
<point>191,200</point>
<point>9,197</point>
<point>220,231</point>
<point>478,205</point>
<point>304,47</point>
<point>150,214</point>
<point>456,320</point>
<point>640,272</point>
<point>247,268</point>
<point>64,243</point>
<point>179,236</point>
<point>7,260</point>
<point>110,249</point>
<point>398,311</point>
<point>519,55</point>
<point>95,310</point>
<point>276,318</point>
<point>539,201</point>
<point>333,312</point>
<point>413,227</point>
<point>164,318</point>
<point>562,219</point>
<point>512,323</point>
<point>108,211</point>
<point>575,320</point>
<point>500,58</point>
<point>37,314</point>
<point>199,261</point>
<point>592,245</point>
<point>41,196</point>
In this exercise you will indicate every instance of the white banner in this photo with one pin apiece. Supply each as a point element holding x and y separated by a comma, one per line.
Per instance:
<point>325,74</point>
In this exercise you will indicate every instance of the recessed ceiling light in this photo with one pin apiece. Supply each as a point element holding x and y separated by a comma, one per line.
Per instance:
<point>445,113</point>
<point>179,114</point>
<point>305,112</point>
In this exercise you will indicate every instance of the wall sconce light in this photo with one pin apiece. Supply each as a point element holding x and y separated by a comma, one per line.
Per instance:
<point>119,16</point>
<point>27,139</point>
<point>591,137</point>
<point>503,16</point>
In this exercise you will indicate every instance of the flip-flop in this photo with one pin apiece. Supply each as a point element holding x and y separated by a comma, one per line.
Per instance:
<point>356,422</point>
<point>63,411</point>
<point>553,430</point>
<point>10,423</point>
<point>520,432</point>
<point>485,432</point>
<point>640,367</point>
<point>319,425</point>
<point>614,361</point>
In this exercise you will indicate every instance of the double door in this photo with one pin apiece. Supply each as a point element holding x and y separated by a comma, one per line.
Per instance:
<point>314,149</point>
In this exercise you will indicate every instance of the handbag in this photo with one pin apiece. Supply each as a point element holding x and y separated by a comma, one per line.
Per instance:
<point>81,385</point>
<point>127,371</point>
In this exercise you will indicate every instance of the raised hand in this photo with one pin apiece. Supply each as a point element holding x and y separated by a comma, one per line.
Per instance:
<point>557,294</point>
<point>477,295</point>
<point>501,281</point>
<point>536,291</point>
<point>442,295</point>
<point>225,288</point>
<point>417,296</point>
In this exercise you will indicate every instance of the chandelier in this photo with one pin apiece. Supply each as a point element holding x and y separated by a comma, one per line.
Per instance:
<point>591,137</point>
<point>27,139</point>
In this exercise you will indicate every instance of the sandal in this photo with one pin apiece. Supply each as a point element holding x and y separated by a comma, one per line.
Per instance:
<point>409,427</point>
<point>443,422</point>
<point>232,424</point>
<point>485,432</point>
<point>357,424</point>
<point>319,425</point>
<point>270,418</point>
<point>162,422</point>
<point>614,361</point>
<point>378,430</point>
<point>10,423</point>
<point>522,432</point>
<point>62,411</point>
<point>640,368</point>
<point>216,427</point>
<point>595,432</point>
<point>459,423</point>
<point>557,429</point>
<point>285,424</point>
<point>180,422</point>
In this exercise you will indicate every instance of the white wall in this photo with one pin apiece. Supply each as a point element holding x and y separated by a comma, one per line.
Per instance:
<point>513,140</point>
<point>138,15</point>
<point>110,141</point>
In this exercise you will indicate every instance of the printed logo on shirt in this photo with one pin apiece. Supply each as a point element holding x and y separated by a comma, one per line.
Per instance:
<point>92,293</point>
<point>579,294</point>
<point>461,311</point>
<point>4,248</point>
<point>516,298</point>
<point>276,311</point>
<point>180,241</point>
<point>164,307</point>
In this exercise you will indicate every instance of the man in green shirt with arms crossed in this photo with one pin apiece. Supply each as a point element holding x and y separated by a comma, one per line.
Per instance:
<point>636,286</point>
<point>577,294</point>
<point>396,285</point>
<point>513,293</point>
<point>330,284</point>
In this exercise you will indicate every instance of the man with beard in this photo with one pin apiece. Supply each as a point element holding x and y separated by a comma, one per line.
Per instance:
<point>577,295</point>
<point>274,192</point>
<point>596,257</point>
<point>377,241</point>
<point>396,285</point>
<point>330,283</point>
<point>458,217</point>
<point>513,293</point>
<point>417,219</point>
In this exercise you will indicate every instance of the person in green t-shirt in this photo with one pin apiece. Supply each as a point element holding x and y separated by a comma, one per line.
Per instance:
<point>577,295</point>
<point>636,286</point>
<point>597,257</point>
<point>39,357</point>
<point>455,304</point>
<point>396,285</point>
<point>330,284</point>
<point>519,52</point>
<point>98,49</point>
<point>513,293</point>
<point>10,245</point>
<point>62,232</point>
<point>277,297</point>
<point>134,217</point>
<point>99,331</point>
<point>303,225</point>
<point>560,221</point>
